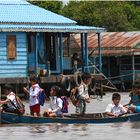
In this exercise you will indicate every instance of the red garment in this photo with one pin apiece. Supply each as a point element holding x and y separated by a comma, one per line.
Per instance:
<point>35,108</point>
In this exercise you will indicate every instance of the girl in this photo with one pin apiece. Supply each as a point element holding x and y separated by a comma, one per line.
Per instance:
<point>33,96</point>
<point>12,103</point>
<point>56,103</point>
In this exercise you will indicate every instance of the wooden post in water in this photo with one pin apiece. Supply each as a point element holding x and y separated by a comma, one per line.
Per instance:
<point>61,53</point>
<point>99,53</point>
<point>133,67</point>
<point>86,53</point>
<point>82,51</point>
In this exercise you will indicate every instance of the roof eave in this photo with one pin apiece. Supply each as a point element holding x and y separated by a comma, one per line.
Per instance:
<point>50,30</point>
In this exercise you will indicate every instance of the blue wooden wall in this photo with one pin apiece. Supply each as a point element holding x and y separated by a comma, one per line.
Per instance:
<point>18,67</point>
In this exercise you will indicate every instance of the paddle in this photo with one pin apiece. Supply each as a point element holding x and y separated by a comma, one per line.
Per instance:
<point>122,114</point>
<point>131,103</point>
<point>127,104</point>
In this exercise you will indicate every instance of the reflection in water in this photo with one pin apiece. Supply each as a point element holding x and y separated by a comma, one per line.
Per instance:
<point>57,127</point>
<point>54,127</point>
<point>37,129</point>
<point>115,125</point>
<point>76,130</point>
<point>135,125</point>
<point>81,127</point>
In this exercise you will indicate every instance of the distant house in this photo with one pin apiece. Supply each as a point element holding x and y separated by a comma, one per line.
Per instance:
<point>120,54</point>
<point>31,39</point>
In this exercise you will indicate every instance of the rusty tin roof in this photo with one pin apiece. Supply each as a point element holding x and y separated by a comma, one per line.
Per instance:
<point>112,43</point>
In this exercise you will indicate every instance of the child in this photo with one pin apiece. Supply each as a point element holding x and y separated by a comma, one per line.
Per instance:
<point>115,109</point>
<point>56,103</point>
<point>83,96</point>
<point>135,99</point>
<point>33,94</point>
<point>12,103</point>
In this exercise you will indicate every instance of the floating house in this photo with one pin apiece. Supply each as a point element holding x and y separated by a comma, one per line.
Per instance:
<point>120,55</point>
<point>31,40</point>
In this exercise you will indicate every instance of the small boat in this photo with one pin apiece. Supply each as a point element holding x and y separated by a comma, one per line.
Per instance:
<point>10,118</point>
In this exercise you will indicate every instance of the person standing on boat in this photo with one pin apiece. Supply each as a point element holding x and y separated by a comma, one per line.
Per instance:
<point>12,103</point>
<point>134,104</point>
<point>33,96</point>
<point>56,103</point>
<point>115,109</point>
<point>83,96</point>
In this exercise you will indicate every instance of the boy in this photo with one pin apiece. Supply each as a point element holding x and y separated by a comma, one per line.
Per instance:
<point>115,109</point>
<point>83,96</point>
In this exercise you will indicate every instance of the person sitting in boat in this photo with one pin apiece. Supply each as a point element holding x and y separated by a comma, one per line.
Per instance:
<point>115,109</point>
<point>56,103</point>
<point>12,103</point>
<point>33,96</point>
<point>83,96</point>
<point>134,104</point>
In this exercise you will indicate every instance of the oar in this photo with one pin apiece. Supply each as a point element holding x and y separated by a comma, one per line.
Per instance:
<point>131,103</point>
<point>127,104</point>
<point>123,114</point>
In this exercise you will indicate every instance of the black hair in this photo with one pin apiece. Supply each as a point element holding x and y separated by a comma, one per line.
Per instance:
<point>115,96</point>
<point>58,90</point>
<point>34,79</point>
<point>8,87</point>
<point>85,76</point>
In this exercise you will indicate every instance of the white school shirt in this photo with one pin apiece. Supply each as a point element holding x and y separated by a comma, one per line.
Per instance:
<point>33,93</point>
<point>83,91</point>
<point>56,104</point>
<point>115,109</point>
<point>11,96</point>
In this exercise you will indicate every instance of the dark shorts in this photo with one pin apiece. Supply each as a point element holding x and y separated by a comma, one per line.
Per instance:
<point>7,109</point>
<point>35,108</point>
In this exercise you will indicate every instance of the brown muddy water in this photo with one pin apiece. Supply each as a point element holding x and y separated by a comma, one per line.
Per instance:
<point>57,131</point>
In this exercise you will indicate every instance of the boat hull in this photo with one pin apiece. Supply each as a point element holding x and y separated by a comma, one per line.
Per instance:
<point>10,118</point>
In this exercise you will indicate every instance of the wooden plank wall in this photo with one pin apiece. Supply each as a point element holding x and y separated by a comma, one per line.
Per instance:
<point>18,67</point>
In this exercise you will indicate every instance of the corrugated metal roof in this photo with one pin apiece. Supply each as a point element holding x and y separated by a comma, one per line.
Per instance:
<point>15,2</point>
<point>24,12</point>
<point>113,43</point>
<point>19,15</point>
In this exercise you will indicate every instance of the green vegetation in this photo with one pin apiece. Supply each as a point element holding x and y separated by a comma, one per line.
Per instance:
<point>112,15</point>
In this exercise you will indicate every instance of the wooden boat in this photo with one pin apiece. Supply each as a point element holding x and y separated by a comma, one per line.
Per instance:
<point>10,118</point>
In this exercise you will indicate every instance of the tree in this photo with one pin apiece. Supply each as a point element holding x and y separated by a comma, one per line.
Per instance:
<point>54,6</point>
<point>113,15</point>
